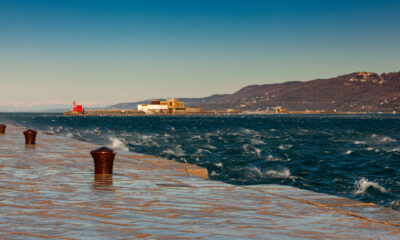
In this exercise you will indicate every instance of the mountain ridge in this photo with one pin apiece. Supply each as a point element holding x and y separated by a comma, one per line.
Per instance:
<point>355,92</point>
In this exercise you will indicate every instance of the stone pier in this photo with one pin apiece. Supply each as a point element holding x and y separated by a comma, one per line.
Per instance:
<point>49,191</point>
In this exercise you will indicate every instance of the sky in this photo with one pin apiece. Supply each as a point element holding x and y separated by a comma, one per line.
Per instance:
<point>100,52</point>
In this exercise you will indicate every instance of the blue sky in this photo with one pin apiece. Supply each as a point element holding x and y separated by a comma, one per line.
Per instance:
<point>103,52</point>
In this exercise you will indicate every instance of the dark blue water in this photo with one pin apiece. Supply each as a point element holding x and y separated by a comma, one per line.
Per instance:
<point>356,156</point>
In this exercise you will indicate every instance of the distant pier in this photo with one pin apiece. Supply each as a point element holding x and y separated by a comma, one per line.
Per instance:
<point>175,107</point>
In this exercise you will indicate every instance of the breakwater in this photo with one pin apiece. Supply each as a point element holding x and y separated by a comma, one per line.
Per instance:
<point>49,191</point>
<point>140,113</point>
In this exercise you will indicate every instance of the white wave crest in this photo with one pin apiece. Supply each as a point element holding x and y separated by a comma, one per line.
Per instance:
<point>255,170</point>
<point>219,164</point>
<point>213,173</point>
<point>250,149</point>
<point>285,147</point>
<point>284,173</point>
<point>395,204</point>
<point>118,144</point>
<point>349,152</point>
<point>197,137</point>
<point>387,139</point>
<point>145,137</point>
<point>210,146</point>
<point>360,142</point>
<point>249,131</point>
<point>168,151</point>
<point>363,184</point>
<point>272,158</point>
<point>257,142</point>
<point>200,151</point>
<point>178,151</point>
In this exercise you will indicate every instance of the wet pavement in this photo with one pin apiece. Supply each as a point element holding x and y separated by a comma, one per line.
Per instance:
<point>49,191</point>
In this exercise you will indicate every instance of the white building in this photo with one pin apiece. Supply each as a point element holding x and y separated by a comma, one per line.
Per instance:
<point>153,108</point>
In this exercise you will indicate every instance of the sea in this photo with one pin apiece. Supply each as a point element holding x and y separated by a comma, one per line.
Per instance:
<point>354,156</point>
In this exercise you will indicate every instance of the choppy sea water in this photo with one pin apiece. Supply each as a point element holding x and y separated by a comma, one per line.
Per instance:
<point>355,156</point>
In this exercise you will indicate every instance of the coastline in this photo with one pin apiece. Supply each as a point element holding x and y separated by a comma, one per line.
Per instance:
<point>49,191</point>
<point>117,112</point>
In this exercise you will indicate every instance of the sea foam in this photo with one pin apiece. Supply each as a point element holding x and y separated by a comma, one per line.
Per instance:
<point>363,184</point>
<point>387,139</point>
<point>118,144</point>
<point>284,173</point>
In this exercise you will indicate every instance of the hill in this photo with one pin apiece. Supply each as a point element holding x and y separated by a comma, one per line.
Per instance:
<point>358,92</point>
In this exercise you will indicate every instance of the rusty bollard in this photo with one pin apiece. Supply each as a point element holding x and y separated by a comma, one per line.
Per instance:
<point>30,137</point>
<point>2,128</point>
<point>103,160</point>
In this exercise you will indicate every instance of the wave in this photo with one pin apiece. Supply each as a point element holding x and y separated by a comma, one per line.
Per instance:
<point>250,149</point>
<point>254,169</point>
<point>395,204</point>
<point>285,147</point>
<point>388,139</point>
<point>284,173</point>
<point>249,131</point>
<point>257,142</point>
<point>219,164</point>
<point>280,174</point>
<point>168,151</point>
<point>210,147</point>
<point>213,173</point>
<point>363,184</point>
<point>117,144</point>
<point>272,158</point>
<point>200,151</point>
<point>178,151</point>
<point>349,152</point>
<point>198,137</point>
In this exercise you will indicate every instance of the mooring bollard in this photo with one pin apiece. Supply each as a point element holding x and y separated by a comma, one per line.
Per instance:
<point>103,160</point>
<point>30,137</point>
<point>2,128</point>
